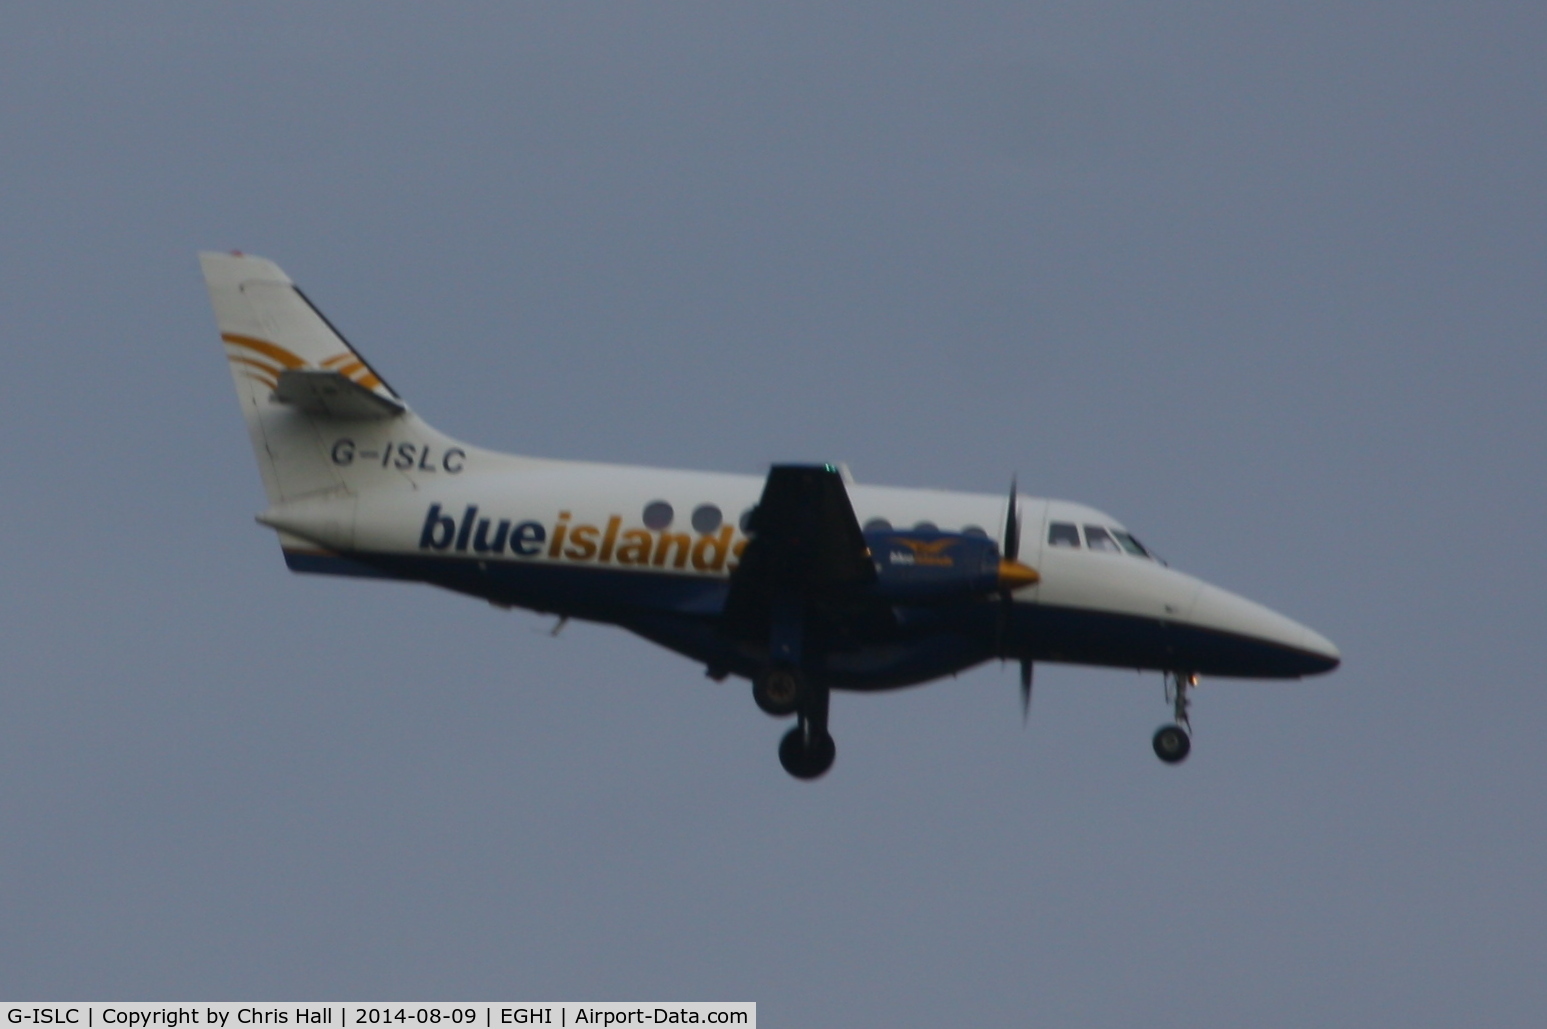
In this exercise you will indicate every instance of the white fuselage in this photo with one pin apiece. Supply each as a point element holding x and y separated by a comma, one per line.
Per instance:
<point>534,533</point>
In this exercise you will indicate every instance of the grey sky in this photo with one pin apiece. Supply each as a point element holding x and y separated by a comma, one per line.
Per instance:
<point>1265,281</point>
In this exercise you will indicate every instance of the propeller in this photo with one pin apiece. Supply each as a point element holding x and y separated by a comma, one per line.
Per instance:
<point>1013,575</point>
<point>1025,690</point>
<point>1012,528</point>
<point>1011,549</point>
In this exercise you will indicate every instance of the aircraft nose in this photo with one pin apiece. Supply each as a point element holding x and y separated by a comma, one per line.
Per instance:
<point>1317,644</point>
<point>1266,640</point>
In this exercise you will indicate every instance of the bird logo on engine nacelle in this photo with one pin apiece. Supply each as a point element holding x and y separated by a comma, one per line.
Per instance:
<point>923,552</point>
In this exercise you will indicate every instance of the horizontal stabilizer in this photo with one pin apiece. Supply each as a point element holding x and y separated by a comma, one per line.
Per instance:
<point>326,392</point>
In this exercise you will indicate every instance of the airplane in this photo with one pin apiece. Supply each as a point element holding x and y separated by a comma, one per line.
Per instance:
<point>801,582</point>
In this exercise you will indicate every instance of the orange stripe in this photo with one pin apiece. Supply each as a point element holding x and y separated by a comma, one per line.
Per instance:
<point>267,369</point>
<point>349,364</point>
<point>265,348</point>
<point>265,380</point>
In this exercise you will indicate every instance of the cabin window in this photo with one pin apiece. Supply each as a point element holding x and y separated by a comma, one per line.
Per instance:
<point>878,525</point>
<point>706,519</point>
<point>1097,538</point>
<point>658,514</point>
<point>1130,544</point>
<point>1063,534</point>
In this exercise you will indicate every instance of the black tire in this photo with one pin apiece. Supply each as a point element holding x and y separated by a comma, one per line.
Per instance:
<point>1172,744</point>
<point>806,762</point>
<point>778,691</point>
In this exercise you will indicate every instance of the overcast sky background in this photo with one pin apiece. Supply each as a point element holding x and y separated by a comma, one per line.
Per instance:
<point>1264,281</point>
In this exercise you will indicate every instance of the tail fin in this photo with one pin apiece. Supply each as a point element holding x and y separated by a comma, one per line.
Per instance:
<point>295,376</point>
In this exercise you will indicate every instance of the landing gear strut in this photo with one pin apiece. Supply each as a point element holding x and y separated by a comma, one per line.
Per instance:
<point>807,751</point>
<point>1172,743</point>
<point>782,688</point>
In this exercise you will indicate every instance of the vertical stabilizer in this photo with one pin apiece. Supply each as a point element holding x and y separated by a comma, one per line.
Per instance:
<point>325,428</point>
<point>269,329</point>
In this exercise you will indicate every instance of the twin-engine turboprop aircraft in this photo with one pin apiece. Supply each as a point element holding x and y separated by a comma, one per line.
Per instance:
<point>802,582</point>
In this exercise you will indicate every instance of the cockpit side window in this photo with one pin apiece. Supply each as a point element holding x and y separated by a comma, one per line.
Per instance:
<point>1097,538</point>
<point>1063,534</point>
<point>1130,544</point>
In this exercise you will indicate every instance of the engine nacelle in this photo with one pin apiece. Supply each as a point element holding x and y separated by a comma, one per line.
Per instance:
<point>928,567</point>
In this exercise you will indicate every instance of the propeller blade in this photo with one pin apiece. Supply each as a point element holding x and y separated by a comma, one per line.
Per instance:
<point>1012,550</point>
<point>1025,691</point>
<point>1012,528</point>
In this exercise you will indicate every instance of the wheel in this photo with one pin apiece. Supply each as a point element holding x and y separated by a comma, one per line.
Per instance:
<point>1172,744</point>
<point>803,761</point>
<point>778,690</point>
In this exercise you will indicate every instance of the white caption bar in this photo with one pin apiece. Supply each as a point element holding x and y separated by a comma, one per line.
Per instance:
<point>397,1015</point>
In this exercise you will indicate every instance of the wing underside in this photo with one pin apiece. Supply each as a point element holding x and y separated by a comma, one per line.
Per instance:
<point>806,544</point>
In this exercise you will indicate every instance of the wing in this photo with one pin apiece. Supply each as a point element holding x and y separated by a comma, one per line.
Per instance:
<point>805,543</point>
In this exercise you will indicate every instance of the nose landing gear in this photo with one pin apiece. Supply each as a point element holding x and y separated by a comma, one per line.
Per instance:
<point>1171,742</point>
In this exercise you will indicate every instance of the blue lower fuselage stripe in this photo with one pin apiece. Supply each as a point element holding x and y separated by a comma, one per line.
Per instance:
<point>681,611</point>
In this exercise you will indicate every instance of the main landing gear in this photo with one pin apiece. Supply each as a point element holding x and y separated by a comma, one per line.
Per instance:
<point>777,690</point>
<point>1172,743</point>
<point>807,751</point>
<point>782,688</point>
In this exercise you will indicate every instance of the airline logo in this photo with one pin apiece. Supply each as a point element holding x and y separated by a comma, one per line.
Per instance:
<point>262,361</point>
<point>635,547</point>
<point>922,552</point>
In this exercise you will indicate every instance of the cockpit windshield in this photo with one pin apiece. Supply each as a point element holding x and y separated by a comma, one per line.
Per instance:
<point>1097,538</point>
<point>1130,544</point>
<point>1063,534</point>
